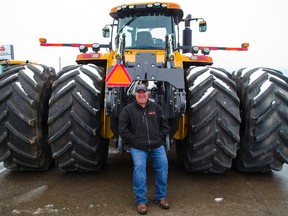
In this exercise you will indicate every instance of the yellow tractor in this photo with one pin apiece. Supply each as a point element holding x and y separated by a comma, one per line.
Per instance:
<point>7,63</point>
<point>218,120</point>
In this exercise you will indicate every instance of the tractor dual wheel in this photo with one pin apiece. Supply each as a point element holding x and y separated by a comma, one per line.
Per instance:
<point>75,119</point>
<point>24,94</point>
<point>214,121</point>
<point>263,94</point>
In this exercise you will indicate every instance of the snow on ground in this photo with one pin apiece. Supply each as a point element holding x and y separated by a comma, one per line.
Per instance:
<point>2,169</point>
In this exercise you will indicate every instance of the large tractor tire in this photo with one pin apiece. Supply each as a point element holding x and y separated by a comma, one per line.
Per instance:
<point>24,94</point>
<point>214,121</point>
<point>74,119</point>
<point>263,93</point>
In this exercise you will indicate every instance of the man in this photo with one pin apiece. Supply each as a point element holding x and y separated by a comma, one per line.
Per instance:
<point>143,126</point>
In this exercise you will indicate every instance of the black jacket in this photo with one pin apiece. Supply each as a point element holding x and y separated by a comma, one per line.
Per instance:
<point>143,128</point>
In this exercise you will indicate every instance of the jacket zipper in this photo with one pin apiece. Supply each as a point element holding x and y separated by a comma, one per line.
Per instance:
<point>146,123</point>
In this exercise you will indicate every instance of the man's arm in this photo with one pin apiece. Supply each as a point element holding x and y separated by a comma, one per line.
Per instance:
<point>124,126</point>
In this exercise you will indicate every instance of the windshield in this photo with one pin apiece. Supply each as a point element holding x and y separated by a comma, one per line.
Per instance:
<point>146,32</point>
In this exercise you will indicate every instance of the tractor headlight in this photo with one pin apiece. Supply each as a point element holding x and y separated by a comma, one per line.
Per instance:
<point>205,51</point>
<point>95,47</point>
<point>157,4</point>
<point>195,49</point>
<point>83,48</point>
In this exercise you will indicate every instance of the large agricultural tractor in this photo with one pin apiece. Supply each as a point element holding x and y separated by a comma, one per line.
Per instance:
<point>218,120</point>
<point>8,63</point>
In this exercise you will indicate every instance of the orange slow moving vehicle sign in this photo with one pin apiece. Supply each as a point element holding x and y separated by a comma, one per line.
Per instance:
<point>119,76</point>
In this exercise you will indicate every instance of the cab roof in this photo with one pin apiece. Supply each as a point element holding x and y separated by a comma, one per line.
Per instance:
<point>133,9</point>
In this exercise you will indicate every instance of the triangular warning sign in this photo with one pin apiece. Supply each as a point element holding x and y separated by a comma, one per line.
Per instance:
<point>118,77</point>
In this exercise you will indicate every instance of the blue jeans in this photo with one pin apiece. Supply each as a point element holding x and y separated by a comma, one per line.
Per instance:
<point>160,165</point>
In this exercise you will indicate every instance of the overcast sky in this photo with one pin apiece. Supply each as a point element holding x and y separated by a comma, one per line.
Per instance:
<point>230,23</point>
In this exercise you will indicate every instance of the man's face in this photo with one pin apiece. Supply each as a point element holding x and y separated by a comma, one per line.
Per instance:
<point>141,97</point>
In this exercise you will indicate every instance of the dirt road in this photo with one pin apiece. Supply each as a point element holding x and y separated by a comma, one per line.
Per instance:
<point>109,192</point>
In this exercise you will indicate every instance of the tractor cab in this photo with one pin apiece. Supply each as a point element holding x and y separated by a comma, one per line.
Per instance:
<point>145,32</point>
<point>146,25</point>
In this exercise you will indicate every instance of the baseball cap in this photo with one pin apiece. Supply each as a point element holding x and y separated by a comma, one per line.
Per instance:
<point>142,87</point>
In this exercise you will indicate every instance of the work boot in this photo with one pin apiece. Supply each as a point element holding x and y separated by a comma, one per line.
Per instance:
<point>162,203</point>
<point>142,209</point>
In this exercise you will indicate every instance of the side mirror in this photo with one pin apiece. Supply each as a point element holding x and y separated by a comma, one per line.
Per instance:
<point>202,26</point>
<point>106,32</point>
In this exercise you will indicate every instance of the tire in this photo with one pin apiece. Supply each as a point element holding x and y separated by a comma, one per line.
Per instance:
<point>263,93</point>
<point>75,119</point>
<point>214,120</point>
<point>180,151</point>
<point>24,94</point>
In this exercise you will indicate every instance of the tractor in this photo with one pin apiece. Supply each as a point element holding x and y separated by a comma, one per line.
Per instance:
<point>4,63</point>
<point>218,119</point>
